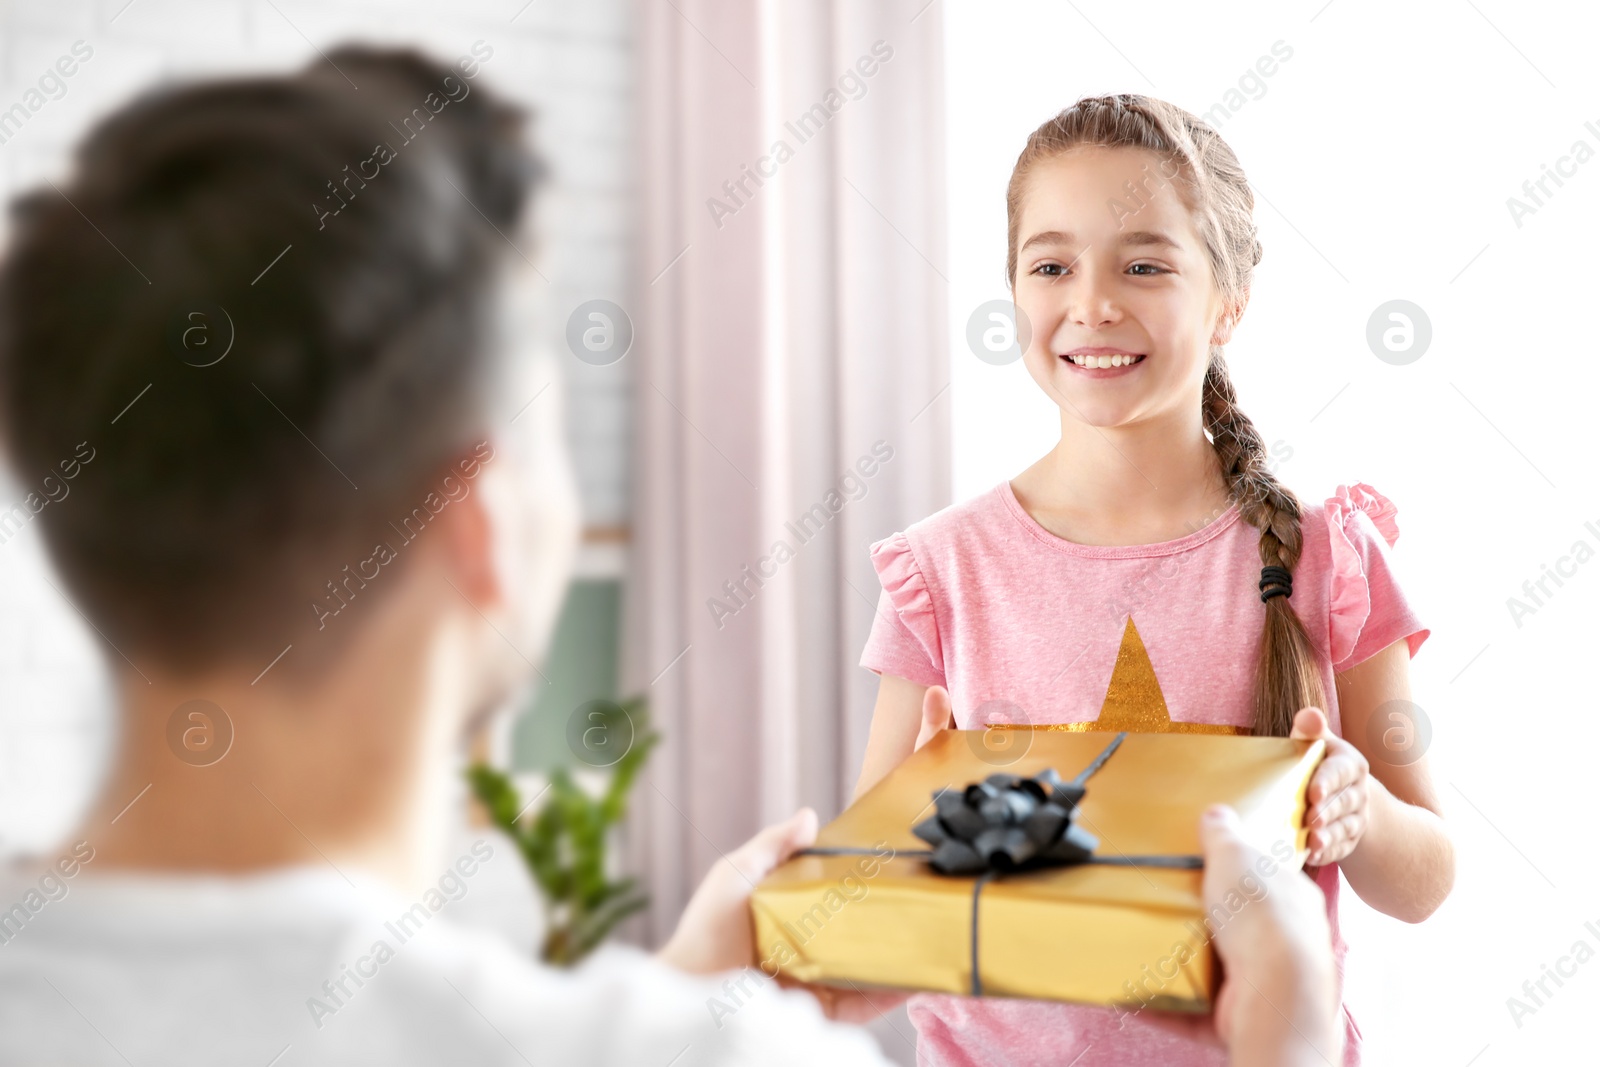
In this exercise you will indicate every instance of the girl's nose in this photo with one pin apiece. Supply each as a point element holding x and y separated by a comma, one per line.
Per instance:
<point>1090,305</point>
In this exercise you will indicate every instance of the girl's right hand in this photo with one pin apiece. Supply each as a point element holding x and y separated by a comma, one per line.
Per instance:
<point>905,717</point>
<point>937,715</point>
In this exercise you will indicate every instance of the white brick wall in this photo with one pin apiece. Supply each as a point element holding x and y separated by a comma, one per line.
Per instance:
<point>571,62</point>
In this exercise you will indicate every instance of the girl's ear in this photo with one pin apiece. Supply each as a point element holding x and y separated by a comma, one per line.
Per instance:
<point>1224,331</point>
<point>1228,320</point>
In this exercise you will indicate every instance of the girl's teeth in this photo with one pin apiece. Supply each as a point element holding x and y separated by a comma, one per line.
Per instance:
<point>1103,361</point>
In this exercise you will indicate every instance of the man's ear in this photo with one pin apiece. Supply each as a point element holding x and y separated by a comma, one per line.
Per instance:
<point>469,546</point>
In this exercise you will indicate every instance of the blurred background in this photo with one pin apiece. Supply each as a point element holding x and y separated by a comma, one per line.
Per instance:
<point>769,224</point>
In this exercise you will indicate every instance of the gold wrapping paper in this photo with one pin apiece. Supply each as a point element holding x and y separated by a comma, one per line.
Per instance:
<point>1093,933</point>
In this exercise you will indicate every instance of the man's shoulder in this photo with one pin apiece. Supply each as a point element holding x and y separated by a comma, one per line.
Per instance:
<point>176,973</point>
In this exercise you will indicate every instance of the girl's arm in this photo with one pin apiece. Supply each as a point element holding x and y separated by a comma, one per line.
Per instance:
<point>903,719</point>
<point>1403,864</point>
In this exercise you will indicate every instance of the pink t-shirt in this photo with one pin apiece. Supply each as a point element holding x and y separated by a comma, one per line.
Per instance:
<point>1023,626</point>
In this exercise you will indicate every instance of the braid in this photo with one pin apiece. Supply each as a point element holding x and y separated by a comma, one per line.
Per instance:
<point>1287,678</point>
<point>1214,186</point>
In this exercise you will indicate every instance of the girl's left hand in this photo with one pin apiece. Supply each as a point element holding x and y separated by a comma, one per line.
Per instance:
<point>1336,801</point>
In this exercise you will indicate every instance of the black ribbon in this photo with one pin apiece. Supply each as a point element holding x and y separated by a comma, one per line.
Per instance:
<point>1007,824</point>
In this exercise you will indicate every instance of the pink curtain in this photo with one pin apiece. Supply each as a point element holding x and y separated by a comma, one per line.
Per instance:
<point>790,375</point>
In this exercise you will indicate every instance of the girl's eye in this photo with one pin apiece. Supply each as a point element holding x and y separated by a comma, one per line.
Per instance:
<point>1055,270</point>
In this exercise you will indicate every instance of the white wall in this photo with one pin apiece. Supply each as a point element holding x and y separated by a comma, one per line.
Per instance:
<point>1383,152</point>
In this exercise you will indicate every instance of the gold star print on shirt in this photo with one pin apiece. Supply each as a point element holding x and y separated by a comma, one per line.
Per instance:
<point>1134,701</point>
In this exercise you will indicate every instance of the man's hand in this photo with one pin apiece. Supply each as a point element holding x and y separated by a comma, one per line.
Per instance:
<point>1337,799</point>
<point>1279,999</point>
<point>715,933</point>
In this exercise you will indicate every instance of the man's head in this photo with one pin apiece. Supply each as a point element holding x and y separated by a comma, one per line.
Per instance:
<point>273,310</point>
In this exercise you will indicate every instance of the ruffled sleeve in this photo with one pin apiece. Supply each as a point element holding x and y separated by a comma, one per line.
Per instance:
<point>1367,609</point>
<point>905,636</point>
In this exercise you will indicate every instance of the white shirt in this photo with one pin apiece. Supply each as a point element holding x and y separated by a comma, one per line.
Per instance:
<point>174,970</point>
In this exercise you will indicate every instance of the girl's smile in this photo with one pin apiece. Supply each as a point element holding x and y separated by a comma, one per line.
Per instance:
<point>1101,362</point>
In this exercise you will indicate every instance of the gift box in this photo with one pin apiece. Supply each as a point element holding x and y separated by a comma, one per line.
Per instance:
<point>1101,906</point>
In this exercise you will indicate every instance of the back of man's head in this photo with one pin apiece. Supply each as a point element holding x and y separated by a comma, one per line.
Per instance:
<point>259,308</point>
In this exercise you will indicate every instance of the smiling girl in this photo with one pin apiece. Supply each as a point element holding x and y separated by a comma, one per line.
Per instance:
<point>1150,572</point>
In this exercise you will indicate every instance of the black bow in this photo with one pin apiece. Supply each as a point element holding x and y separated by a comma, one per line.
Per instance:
<point>1007,823</point>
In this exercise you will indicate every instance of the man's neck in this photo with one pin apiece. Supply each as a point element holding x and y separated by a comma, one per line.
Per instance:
<point>352,769</point>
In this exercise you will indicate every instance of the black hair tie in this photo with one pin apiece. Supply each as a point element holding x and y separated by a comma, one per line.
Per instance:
<point>1275,581</point>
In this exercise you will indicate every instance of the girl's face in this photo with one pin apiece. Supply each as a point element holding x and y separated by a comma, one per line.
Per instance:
<point>1105,268</point>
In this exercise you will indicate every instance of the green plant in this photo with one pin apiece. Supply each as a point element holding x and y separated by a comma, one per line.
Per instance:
<point>564,843</point>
